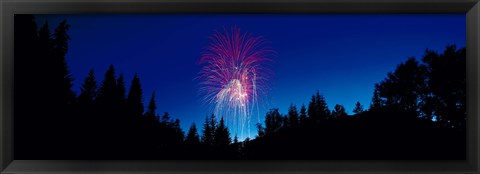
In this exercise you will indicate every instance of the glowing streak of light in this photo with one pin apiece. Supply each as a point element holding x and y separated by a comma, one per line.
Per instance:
<point>233,77</point>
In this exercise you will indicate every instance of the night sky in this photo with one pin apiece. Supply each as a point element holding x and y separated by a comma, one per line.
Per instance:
<point>341,56</point>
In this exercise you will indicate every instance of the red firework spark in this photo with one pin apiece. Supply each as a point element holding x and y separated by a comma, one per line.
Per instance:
<point>235,72</point>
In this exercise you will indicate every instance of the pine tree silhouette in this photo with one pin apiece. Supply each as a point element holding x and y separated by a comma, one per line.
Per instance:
<point>358,108</point>
<point>134,104</point>
<point>303,116</point>
<point>88,91</point>
<point>192,136</point>
<point>222,135</point>
<point>207,138</point>
<point>293,116</point>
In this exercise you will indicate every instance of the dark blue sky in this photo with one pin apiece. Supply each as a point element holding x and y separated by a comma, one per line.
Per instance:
<point>341,56</point>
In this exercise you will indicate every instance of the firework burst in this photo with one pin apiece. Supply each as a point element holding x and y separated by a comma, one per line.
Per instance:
<point>234,77</point>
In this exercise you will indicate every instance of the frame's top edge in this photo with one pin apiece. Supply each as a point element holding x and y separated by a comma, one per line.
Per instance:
<point>249,1</point>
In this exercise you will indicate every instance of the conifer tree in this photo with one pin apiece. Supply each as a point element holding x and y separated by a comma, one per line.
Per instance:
<point>192,136</point>
<point>235,139</point>
<point>358,108</point>
<point>222,135</point>
<point>88,90</point>
<point>293,115</point>
<point>273,121</point>
<point>61,38</point>
<point>108,90</point>
<point>120,89</point>
<point>46,44</point>
<point>135,100</point>
<point>322,107</point>
<point>166,119</point>
<point>213,126</point>
<point>150,114</point>
<point>312,110</point>
<point>207,138</point>
<point>303,115</point>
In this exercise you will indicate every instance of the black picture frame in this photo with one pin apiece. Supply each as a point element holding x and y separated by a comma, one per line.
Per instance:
<point>10,7</point>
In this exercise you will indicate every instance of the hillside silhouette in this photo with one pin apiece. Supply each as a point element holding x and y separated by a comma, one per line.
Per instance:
<point>418,112</point>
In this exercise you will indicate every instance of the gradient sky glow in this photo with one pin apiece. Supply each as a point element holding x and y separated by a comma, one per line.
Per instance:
<point>341,56</point>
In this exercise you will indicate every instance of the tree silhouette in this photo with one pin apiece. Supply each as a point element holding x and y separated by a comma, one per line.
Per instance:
<point>87,110</point>
<point>293,115</point>
<point>150,115</point>
<point>358,108</point>
<point>377,102</point>
<point>88,91</point>
<point>339,111</point>
<point>120,90</point>
<point>58,83</point>
<point>235,139</point>
<point>236,147</point>
<point>26,62</point>
<point>192,136</point>
<point>152,132</point>
<point>207,132</point>
<point>124,127</point>
<point>46,44</point>
<point>323,110</point>
<point>318,109</point>
<point>178,134</point>
<point>43,88</point>
<point>402,89</point>
<point>60,50</point>
<point>166,118</point>
<point>313,111</point>
<point>285,122</point>
<point>134,109</point>
<point>447,86</point>
<point>108,114</point>
<point>260,130</point>
<point>273,121</point>
<point>102,123</point>
<point>213,126</point>
<point>222,135</point>
<point>107,94</point>
<point>303,115</point>
<point>135,99</point>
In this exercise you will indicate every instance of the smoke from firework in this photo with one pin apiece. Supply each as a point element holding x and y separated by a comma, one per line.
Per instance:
<point>234,77</point>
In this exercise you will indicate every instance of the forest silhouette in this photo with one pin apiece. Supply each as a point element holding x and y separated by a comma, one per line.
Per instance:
<point>418,112</point>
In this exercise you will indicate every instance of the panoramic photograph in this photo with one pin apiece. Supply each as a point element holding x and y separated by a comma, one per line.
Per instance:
<point>240,87</point>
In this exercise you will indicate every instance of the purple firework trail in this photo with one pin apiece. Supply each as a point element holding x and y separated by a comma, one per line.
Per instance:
<point>234,76</point>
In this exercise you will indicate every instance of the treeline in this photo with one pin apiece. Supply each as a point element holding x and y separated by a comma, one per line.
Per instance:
<point>105,121</point>
<point>123,130</point>
<point>43,99</point>
<point>417,112</point>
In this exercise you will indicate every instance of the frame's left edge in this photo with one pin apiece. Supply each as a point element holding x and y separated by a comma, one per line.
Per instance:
<point>6,85</point>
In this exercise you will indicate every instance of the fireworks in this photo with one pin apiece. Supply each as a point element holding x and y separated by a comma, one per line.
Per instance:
<point>234,76</point>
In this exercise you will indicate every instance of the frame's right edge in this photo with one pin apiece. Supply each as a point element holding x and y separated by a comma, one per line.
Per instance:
<point>473,105</point>
<point>473,54</point>
<point>2,165</point>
